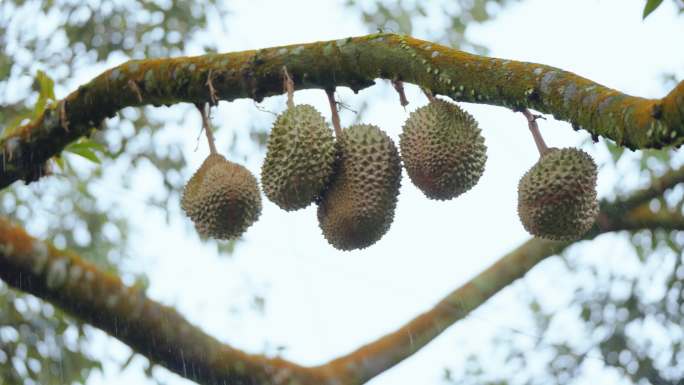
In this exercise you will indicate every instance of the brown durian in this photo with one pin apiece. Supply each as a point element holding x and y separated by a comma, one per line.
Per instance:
<point>299,158</point>
<point>442,149</point>
<point>357,208</point>
<point>557,196</point>
<point>222,198</point>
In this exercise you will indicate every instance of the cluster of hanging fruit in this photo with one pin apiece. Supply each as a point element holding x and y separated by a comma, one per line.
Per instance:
<point>354,176</point>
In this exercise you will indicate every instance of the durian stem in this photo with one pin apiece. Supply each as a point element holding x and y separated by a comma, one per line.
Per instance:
<point>333,110</point>
<point>534,129</point>
<point>206,126</point>
<point>288,86</point>
<point>399,86</point>
<point>429,95</point>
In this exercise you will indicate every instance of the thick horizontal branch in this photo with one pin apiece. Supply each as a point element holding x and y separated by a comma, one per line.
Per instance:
<point>165,337</point>
<point>354,62</point>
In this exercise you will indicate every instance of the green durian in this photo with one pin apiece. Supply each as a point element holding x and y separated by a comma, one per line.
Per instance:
<point>443,150</point>
<point>557,196</point>
<point>299,158</point>
<point>357,208</point>
<point>222,198</point>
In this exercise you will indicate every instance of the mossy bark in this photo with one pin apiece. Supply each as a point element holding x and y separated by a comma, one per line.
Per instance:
<point>165,337</point>
<point>354,62</point>
<point>152,329</point>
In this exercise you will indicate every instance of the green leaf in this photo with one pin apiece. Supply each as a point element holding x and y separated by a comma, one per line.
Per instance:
<point>59,161</point>
<point>84,152</point>
<point>87,149</point>
<point>651,6</point>
<point>87,144</point>
<point>615,151</point>
<point>46,92</point>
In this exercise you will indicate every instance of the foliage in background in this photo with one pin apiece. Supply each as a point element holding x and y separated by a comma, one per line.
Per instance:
<point>445,22</point>
<point>38,343</point>
<point>652,5</point>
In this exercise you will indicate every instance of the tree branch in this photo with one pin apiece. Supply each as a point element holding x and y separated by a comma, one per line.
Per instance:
<point>367,362</point>
<point>165,337</point>
<point>354,62</point>
<point>149,328</point>
<point>654,190</point>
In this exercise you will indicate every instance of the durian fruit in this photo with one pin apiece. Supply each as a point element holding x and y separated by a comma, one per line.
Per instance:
<point>557,196</point>
<point>222,198</point>
<point>357,209</point>
<point>443,150</point>
<point>299,158</point>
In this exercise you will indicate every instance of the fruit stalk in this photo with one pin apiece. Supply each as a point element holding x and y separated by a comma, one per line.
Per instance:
<point>333,110</point>
<point>206,126</point>
<point>288,87</point>
<point>534,129</point>
<point>399,87</point>
<point>429,94</point>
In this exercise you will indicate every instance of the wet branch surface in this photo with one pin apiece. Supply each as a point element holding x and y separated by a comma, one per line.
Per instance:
<point>167,338</point>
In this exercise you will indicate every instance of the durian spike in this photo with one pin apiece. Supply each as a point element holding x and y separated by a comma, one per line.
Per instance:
<point>288,86</point>
<point>206,126</point>
<point>333,110</point>
<point>534,129</point>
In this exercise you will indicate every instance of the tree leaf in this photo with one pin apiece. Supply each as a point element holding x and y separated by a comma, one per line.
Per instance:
<point>651,5</point>
<point>59,161</point>
<point>84,143</point>
<point>615,150</point>
<point>87,149</point>
<point>46,89</point>
<point>86,153</point>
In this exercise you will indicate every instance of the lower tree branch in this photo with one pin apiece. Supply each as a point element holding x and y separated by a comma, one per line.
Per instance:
<point>654,190</point>
<point>354,62</point>
<point>165,337</point>
<point>151,329</point>
<point>367,362</point>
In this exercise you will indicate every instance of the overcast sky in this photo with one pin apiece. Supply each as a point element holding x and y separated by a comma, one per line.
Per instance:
<point>321,302</point>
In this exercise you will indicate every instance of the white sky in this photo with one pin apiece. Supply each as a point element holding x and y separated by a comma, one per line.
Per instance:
<point>320,302</point>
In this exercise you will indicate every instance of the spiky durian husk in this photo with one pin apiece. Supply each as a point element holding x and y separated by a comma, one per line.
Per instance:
<point>557,196</point>
<point>357,209</point>
<point>299,158</point>
<point>222,198</point>
<point>443,150</point>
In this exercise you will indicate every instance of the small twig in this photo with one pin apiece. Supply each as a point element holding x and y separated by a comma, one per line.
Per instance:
<point>346,107</point>
<point>429,95</point>
<point>262,109</point>
<point>288,86</point>
<point>399,86</point>
<point>534,129</point>
<point>197,140</point>
<point>134,86</point>
<point>206,126</point>
<point>213,96</point>
<point>335,114</point>
<point>63,121</point>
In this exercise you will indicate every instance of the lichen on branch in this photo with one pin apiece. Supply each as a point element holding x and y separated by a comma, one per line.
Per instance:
<point>149,328</point>
<point>631,121</point>
<point>167,338</point>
